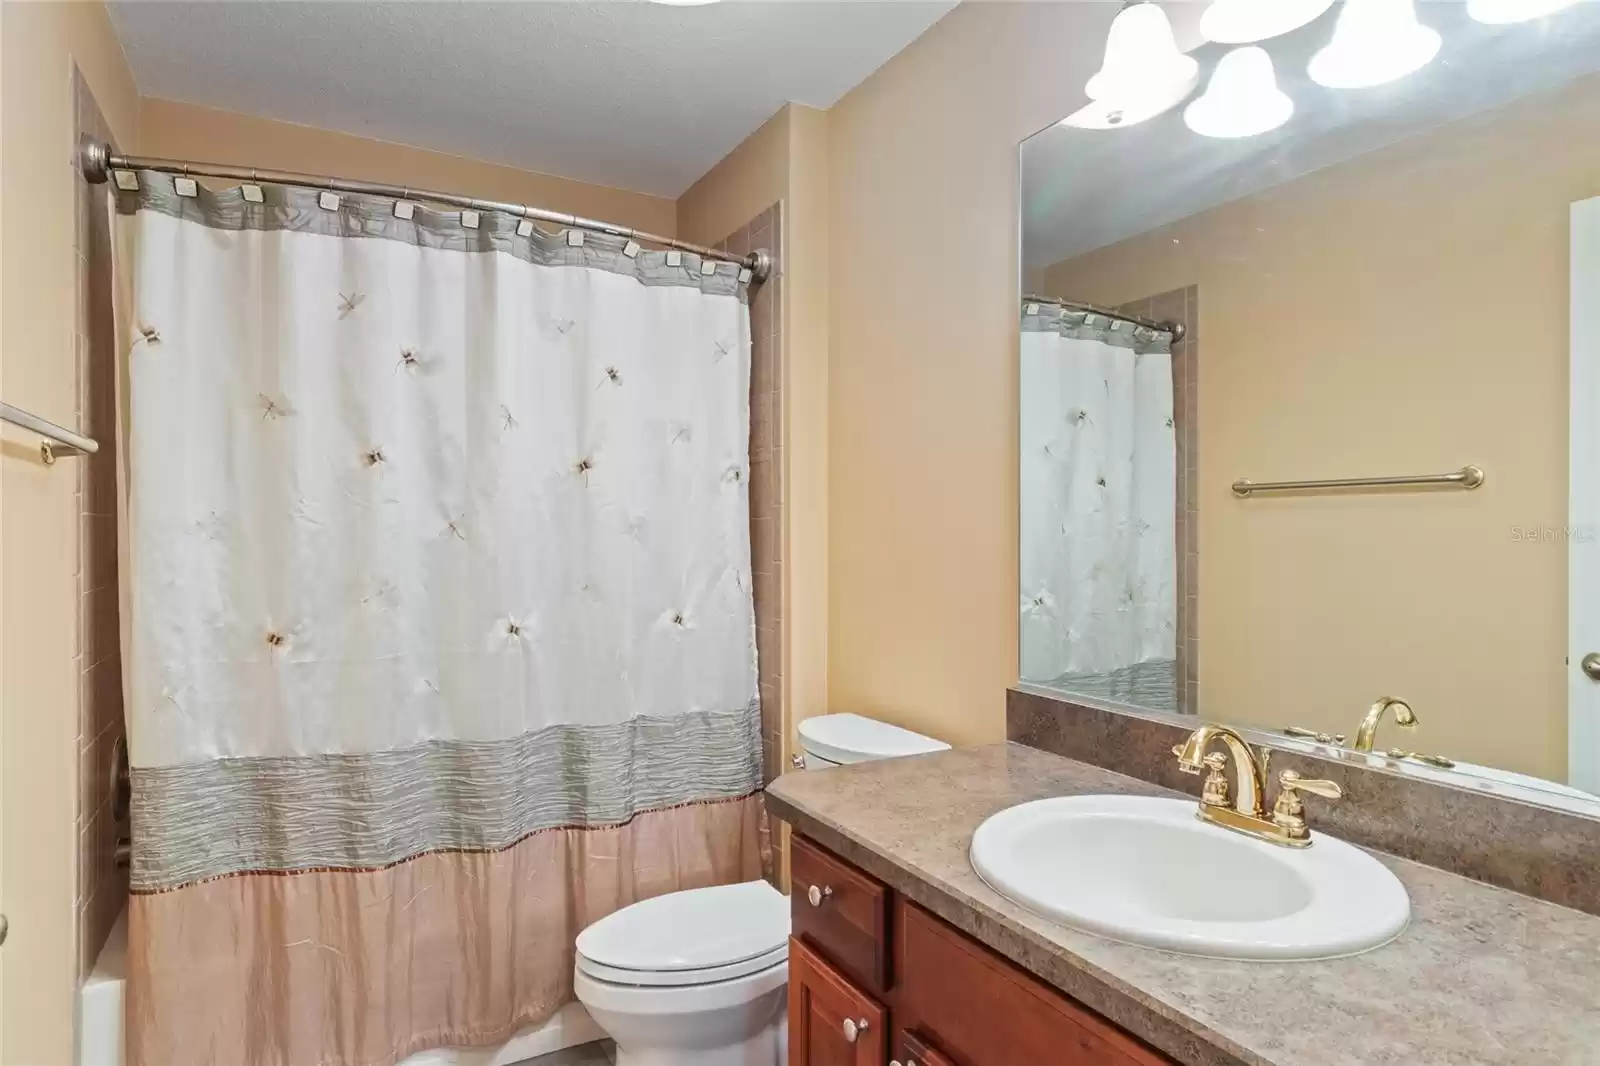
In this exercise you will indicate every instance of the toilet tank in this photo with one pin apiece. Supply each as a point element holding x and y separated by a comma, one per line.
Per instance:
<point>836,739</point>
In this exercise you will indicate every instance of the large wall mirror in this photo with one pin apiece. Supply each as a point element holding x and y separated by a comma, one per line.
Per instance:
<point>1364,250</point>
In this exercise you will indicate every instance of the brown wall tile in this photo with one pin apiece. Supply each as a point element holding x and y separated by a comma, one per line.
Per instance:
<point>767,475</point>
<point>102,888</point>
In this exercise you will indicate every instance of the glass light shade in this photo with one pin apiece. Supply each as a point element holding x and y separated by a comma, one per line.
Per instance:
<point>1375,41</point>
<point>1247,21</point>
<point>1501,12</point>
<point>1242,99</point>
<point>1142,60</point>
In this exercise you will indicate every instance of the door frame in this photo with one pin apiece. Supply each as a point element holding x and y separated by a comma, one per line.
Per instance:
<point>1583,534</point>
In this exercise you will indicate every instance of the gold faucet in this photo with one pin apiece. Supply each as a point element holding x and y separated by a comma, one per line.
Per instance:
<point>1404,717</point>
<point>1248,814</point>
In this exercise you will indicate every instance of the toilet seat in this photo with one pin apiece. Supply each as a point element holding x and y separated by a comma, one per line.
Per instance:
<point>697,937</point>
<point>618,975</point>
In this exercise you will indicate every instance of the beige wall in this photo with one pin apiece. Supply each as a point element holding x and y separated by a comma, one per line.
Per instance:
<point>787,160</point>
<point>39,509</point>
<point>922,567</point>
<point>1405,311</point>
<point>184,131</point>
<point>746,181</point>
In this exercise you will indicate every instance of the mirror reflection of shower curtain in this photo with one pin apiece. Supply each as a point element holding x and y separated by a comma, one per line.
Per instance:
<point>1098,506</point>
<point>442,640</point>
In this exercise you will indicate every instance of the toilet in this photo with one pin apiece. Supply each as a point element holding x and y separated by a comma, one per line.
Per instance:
<point>700,977</point>
<point>694,977</point>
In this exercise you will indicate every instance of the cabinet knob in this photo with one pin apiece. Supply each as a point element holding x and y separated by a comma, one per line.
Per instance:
<point>853,1029</point>
<point>817,893</point>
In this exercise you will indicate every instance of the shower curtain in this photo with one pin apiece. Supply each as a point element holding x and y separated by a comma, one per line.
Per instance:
<point>1098,505</point>
<point>441,632</point>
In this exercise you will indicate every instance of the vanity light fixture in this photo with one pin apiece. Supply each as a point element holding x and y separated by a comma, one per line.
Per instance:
<point>1143,74</point>
<point>1502,12</point>
<point>1248,21</point>
<point>1375,41</point>
<point>1242,99</point>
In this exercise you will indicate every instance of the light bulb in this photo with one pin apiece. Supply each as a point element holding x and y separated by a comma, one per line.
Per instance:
<point>1501,12</point>
<point>1375,41</point>
<point>1247,21</point>
<point>1142,61</point>
<point>1242,99</point>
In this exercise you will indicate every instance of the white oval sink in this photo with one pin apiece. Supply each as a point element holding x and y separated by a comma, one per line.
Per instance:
<point>1148,871</point>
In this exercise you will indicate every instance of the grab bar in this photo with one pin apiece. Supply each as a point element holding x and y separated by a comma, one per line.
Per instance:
<point>1468,477</point>
<point>57,441</point>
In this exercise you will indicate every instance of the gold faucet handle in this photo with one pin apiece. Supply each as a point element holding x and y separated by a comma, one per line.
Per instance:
<point>1289,813</point>
<point>1291,782</point>
<point>1312,734</point>
<point>1215,793</point>
<point>1431,760</point>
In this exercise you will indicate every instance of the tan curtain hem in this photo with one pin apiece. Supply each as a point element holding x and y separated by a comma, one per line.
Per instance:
<point>363,968</point>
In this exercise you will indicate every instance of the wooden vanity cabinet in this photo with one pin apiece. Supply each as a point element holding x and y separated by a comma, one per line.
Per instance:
<point>876,980</point>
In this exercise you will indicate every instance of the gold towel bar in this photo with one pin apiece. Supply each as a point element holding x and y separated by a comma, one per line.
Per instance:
<point>1468,477</point>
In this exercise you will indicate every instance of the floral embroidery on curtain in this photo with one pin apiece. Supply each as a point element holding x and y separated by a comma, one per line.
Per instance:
<point>1098,477</point>
<point>440,591</point>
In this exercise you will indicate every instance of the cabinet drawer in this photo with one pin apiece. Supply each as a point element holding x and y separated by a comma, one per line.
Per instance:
<point>849,920</point>
<point>976,1009</point>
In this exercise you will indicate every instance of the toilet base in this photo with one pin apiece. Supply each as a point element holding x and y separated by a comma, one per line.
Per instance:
<point>770,1047</point>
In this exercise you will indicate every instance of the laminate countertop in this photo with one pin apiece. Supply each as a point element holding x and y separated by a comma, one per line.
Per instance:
<point>1481,977</point>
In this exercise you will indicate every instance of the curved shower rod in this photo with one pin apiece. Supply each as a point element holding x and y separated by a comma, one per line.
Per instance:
<point>98,161</point>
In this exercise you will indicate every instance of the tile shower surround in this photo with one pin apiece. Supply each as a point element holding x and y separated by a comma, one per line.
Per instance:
<point>102,888</point>
<point>767,500</point>
<point>1183,305</point>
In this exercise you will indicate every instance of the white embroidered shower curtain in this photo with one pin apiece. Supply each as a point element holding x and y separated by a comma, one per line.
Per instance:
<point>440,615</point>
<point>1098,503</point>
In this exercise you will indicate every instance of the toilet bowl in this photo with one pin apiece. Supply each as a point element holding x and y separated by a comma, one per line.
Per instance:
<point>700,977</point>
<point>695,978</point>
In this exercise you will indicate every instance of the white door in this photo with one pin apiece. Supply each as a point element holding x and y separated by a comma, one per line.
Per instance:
<point>1583,552</point>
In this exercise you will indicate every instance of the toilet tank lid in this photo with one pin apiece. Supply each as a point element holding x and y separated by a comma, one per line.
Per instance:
<point>846,738</point>
<point>691,930</point>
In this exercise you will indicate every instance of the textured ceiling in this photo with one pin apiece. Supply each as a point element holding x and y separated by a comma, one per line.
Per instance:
<point>624,93</point>
<point>1084,189</point>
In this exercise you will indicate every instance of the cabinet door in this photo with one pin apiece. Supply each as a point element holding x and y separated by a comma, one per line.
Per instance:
<point>977,1009</point>
<point>831,1022</point>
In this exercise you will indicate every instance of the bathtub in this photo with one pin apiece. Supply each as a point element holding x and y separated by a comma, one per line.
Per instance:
<point>100,1021</point>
